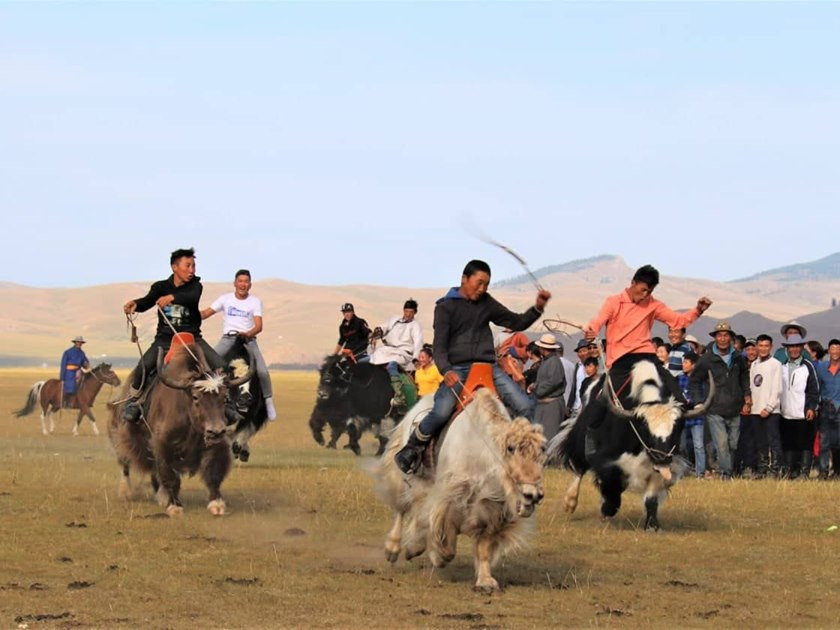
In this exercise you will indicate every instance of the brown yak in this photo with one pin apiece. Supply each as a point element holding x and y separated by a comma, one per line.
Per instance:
<point>184,431</point>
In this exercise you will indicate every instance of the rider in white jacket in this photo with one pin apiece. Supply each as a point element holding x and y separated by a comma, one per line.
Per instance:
<point>398,344</point>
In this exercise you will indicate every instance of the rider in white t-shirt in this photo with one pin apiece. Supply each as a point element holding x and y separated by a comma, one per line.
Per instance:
<point>243,318</point>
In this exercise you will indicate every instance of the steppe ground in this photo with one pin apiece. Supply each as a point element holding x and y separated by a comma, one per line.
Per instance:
<point>301,545</point>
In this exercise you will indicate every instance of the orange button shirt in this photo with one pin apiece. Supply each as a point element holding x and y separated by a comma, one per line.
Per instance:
<point>628,324</point>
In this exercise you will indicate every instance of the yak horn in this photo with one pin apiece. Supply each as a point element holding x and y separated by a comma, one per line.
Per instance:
<point>203,366</point>
<point>609,394</point>
<point>165,379</point>
<point>694,413</point>
<point>252,368</point>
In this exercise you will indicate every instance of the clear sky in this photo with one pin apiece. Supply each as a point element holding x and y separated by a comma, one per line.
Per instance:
<point>343,143</point>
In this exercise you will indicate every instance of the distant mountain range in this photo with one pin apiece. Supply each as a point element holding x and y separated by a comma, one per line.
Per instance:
<point>301,321</point>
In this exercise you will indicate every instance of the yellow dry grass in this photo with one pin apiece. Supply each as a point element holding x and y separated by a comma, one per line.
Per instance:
<point>301,546</point>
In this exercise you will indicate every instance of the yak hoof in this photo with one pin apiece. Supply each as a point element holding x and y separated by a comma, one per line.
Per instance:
<point>413,553</point>
<point>391,555</point>
<point>95,430</point>
<point>216,507</point>
<point>174,510</point>
<point>331,445</point>
<point>354,447</point>
<point>235,448</point>
<point>488,586</point>
<point>652,526</point>
<point>124,491</point>
<point>244,455</point>
<point>162,497</point>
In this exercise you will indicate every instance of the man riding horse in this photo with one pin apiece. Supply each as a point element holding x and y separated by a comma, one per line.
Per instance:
<point>463,337</point>
<point>177,301</point>
<point>73,361</point>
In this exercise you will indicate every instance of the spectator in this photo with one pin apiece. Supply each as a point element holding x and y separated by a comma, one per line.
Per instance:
<point>550,387</point>
<point>662,353</point>
<point>744,462</point>
<point>569,369</point>
<point>582,350</point>
<point>791,328</point>
<point>590,368</point>
<point>693,426</point>
<point>696,346</point>
<point>679,346</point>
<point>828,376</point>
<point>800,398</point>
<point>427,377</point>
<point>766,390</point>
<point>532,365</point>
<point>732,393</point>
<point>816,350</point>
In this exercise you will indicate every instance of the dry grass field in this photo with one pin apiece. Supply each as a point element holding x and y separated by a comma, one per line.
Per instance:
<point>301,546</point>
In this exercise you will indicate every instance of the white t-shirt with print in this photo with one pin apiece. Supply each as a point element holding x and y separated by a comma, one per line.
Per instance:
<point>239,314</point>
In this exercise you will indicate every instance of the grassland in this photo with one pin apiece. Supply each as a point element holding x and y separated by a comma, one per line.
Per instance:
<point>301,546</point>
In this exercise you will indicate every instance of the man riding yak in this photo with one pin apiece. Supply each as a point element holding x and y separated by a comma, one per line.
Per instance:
<point>401,342</point>
<point>73,362</point>
<point>463,337</point>
<point>628,317</point>
<point>177,301</point>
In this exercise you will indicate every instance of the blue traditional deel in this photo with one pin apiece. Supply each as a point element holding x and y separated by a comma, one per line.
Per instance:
<point>72,361</point>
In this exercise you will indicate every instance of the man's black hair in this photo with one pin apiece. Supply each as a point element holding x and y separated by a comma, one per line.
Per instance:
<point>682,330</point>
<point>741,339</point>
<point>411,303</point>
<point>242,272</point>
<point>658,341</point>
<point>691,356</point>
<point>591,361</point>
<point>834,342</point>
<point>533,348</point>
<point>474,266</point>
<point>647,274</point>
<point>763,337</point>
<point>178,254</point>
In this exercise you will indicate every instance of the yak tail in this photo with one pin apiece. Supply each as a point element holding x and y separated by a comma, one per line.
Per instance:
<point>559,450</point>
<point>31,400</point>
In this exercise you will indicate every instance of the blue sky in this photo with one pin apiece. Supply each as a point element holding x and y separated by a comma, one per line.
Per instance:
<point>339,143</point>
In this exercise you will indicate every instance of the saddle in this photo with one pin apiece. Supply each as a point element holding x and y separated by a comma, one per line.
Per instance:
<point>179,341</point>
<point>481,375</point>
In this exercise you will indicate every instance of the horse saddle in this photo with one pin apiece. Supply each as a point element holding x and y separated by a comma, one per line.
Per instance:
<point>480,375</point>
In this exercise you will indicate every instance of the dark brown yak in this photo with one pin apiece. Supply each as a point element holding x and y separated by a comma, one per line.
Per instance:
<point>184,431</point>
<point>49,394</point>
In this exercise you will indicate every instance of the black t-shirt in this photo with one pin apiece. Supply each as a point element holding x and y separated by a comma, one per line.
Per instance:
<point>183,313</point>
<point>354,335</point>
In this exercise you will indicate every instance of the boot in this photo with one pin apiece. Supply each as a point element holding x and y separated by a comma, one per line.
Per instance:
<point>807,461</point>
<point>398,403</point>
<point>789,469</point>
<point>835,463</point>
<point>763,466</point>
<point>65,401</point>
<point>410,456</point>
<point>132,411</point>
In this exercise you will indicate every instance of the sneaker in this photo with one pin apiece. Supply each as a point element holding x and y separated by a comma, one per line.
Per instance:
<point>270,411</point>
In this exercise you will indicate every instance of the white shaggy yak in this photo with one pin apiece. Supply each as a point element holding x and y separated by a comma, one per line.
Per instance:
<point>488,478</point>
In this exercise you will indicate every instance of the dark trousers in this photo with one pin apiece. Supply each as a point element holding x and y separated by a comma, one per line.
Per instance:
<point>768,443</point>
<point>147,366</point>
<point>746,452</point>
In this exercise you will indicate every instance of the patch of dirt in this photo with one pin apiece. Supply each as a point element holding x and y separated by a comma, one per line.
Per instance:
<point>422,611</point>
<point>201,538</point>
<point>681,584</point>
<point>294,531</point>
<point>362,571</point>
<point>37,586</point>
<point>462,616</point>
<point>708,614</point>
<point>11,586</point>
<point>254,581</point>
<point>75,524</point>
<point>65,559</point>
<point>156,515</point>
<point>5,494</point>
<point>79,584</point>
<point>43,617</point>
<point>113,567</point>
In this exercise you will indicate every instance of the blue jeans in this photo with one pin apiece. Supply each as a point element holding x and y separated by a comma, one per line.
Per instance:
<point>829,437</point>
<point>696,433</point>
<point>446,401</point>
<point>724,432</point>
